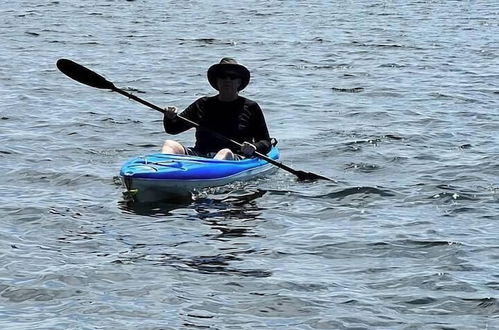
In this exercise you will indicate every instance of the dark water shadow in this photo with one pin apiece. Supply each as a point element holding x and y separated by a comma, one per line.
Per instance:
<point>154,209</point>
<point>340,193</point>
<point>233,215</point>
<point>219,264</point>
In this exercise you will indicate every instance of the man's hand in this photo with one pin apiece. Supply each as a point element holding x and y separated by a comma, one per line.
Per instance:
<point>248,149</point>
<point>170,112</point>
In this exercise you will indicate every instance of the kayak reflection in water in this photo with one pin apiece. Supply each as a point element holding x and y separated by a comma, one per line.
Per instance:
<point>227,113</point>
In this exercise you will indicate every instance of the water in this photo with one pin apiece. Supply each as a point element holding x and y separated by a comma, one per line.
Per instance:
<point>397,100</point>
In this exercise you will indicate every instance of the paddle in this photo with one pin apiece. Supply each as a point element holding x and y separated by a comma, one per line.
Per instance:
<point>88,77</point>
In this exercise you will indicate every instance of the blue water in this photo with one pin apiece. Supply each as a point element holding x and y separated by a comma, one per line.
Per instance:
<point>397,100</point>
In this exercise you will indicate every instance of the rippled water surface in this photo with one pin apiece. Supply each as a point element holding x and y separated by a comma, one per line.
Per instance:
<point>397,100</point>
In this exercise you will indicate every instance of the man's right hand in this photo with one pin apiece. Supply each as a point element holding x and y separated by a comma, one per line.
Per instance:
<point>170,112</point>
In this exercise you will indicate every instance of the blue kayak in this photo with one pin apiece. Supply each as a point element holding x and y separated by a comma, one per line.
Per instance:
<point>165,176</point>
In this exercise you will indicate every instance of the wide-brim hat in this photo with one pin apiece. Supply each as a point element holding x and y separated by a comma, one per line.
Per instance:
<point>228,64</point>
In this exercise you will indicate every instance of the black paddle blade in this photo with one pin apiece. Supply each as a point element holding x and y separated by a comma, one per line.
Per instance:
<point>308,176</point>
<point>83,75</point>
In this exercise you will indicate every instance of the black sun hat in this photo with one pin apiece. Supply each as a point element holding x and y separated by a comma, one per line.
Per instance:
<point>228,64</point>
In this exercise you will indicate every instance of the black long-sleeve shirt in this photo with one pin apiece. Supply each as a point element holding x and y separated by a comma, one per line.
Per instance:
<point>241,120</point>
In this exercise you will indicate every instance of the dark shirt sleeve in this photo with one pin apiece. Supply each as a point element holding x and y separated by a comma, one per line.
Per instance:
<point>261,137</point>
<point>177,125</point>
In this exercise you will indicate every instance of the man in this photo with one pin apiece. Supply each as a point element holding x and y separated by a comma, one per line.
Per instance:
<point>227,113</point>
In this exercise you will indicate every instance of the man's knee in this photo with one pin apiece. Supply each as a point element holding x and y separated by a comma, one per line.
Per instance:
<point>172,147</point>
<point>224,154</point>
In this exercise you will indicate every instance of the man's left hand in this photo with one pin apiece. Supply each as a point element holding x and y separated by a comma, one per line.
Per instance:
<point>248,149</point>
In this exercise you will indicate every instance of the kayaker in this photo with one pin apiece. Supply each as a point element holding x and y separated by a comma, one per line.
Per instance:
<point>227,113</point>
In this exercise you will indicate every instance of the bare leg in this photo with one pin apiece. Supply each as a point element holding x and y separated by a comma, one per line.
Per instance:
<point>172,147</point>
<point>224,154</point>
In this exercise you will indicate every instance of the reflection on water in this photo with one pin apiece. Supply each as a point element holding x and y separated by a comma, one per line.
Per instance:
<point>231,217</point>
<point>230,198</point>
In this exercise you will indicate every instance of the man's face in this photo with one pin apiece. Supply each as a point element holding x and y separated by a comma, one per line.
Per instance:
<point>228,82</point>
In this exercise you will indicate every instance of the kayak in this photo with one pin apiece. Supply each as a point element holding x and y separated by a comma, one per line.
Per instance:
<point>158,176</point>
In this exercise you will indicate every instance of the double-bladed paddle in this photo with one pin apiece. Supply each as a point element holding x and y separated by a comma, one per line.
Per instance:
<point>88,77</point>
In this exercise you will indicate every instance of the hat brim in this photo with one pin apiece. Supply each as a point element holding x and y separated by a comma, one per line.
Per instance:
<point>217,69</point>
